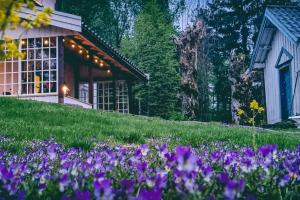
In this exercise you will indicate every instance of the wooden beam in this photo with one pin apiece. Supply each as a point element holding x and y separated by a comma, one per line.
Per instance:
<point>91,85</point>
<point>130,97</point>
<point>114,72</point>
<point>61,69</point>
<point>76,80</point>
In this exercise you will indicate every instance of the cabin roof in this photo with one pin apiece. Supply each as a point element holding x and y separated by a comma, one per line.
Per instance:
<point>75,24</point>
<point>92,36</point>
<point>283,18</point>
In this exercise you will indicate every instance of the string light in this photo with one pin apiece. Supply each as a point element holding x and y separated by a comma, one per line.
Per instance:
<point>23,42</point>
<point>96,60</point>
<point>46,42</point>
<point>101,64</point>
<point>80,51</point>
<point>108,71</point>
<point>64,40</point>
<point>73,46</point>
<point>87,56</point>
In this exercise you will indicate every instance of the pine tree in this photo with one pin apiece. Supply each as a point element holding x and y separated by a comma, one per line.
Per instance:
<point>152,49</point>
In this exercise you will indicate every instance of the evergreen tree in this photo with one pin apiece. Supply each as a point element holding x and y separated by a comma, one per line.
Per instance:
<point>112,19</point>
<point>234,26</point>
<point>152,49</point>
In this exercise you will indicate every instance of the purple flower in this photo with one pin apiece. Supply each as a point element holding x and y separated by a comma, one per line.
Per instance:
<point>224,178</point>
<point>102,189</point>
<point>149,195</point>
<point>127,185</point>
<point>82,195</point>
<point>234,188</point>
<point>267,150</point>
<point>185,159</point>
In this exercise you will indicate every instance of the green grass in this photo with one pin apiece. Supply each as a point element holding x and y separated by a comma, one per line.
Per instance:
<point>24,121</point>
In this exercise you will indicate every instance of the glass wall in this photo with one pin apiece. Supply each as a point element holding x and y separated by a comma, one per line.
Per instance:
<point>103,96</point>
<point>39,66</point>
<point>36,73</point>
<point>122,97</point>
<point>9,77</point>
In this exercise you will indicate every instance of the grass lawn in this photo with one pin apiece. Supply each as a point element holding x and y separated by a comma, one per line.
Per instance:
<point>24,121</point>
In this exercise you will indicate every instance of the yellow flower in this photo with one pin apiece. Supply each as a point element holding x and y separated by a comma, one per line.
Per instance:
<point>261,109</point>
<point>240,112</point>
<point>254,105</point>
<point>251,121</point>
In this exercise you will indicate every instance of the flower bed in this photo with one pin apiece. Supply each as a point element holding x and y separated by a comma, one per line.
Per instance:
<point>47,169</point>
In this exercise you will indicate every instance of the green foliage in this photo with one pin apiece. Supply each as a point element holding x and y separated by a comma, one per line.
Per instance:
<point>111,19</point>
<point>234,27</point>
<point>25,121</point>
<point>152,49</point>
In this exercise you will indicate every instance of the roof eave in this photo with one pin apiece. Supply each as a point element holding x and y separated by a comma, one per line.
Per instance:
<point>58,19</point>
<point>257,45</point>
<point>280,26</point>
<point>113,53</point>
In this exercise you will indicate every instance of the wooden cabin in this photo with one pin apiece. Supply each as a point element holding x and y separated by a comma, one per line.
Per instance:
<point>277,53</point>
<point>67,62</point>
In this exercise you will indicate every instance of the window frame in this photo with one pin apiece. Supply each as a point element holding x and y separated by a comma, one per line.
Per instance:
<point>34,71</point>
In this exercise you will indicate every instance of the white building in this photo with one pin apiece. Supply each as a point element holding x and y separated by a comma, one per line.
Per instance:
<point>277,53</point>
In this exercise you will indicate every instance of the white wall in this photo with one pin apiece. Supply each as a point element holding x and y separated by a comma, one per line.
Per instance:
<point>44,98</point>
<point>271,74</point>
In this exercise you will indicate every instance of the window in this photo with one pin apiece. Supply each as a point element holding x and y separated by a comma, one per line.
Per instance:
<point>84,92</point>
<point>104,95</point>
<point>9,77</point>
<point>39,66</point>
<point>122,97</point>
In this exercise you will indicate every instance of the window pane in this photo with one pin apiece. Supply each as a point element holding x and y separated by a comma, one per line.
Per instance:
<point>46,65</point>
<point>1,89</point>
<point>31,43</point>
<point>24,89</point>
<point>1,67</point>
<point>53,53</point>
<point>46,42</point>
<point>30,66</point>
<point>53,76</point>
<point>53,87</point>
<point>8,67</point>
<point>15,89</point>
<point>45,53</point>
<point>30,88</point>
<point>15,66</point>
<point>38,65</point>
<point>24,44</point>
<point>24,66</point>
<point>24,77</point>
<point>38,54</point>
<point>53,64</point>
<point>1,78</point>
<point>53,42</point>
<point>31,77</point>
<point>46,86</point>
<point>15,78</point>
<point>38,42</point>
<point>45,76</point>
<point>30,54</point>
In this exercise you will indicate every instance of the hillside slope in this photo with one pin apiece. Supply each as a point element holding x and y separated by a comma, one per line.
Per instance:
<point>24,121</point>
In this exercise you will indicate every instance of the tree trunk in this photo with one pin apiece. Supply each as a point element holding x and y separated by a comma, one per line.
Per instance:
<point>188,44</point>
